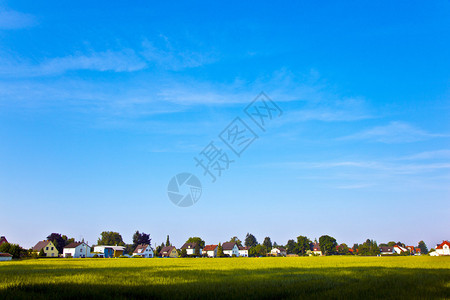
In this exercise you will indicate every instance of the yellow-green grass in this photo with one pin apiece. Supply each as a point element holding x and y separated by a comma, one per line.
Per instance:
<point>230,278</point>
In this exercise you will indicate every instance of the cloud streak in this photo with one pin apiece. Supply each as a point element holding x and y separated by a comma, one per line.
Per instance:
<point>10,19</point>
<point>394,132</point>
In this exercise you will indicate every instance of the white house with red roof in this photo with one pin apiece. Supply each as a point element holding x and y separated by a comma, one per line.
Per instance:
<point>243,251</point>
<point>399,249</point>
<point>5,256</point>
<point>443,249</point>
<point>210,250</point>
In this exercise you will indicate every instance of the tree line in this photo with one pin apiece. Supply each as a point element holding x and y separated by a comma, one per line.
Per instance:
<point>302,246</point>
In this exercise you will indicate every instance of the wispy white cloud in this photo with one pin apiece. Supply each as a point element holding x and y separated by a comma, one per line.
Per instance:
<point>438,154</point>
<point>394,132</point>
<point>11,19</point>
<point>170,58</point>
<point>116,61</point>
<point>393,168</point>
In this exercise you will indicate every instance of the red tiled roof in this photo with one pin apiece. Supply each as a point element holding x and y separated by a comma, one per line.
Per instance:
<point>5,254</point>
<point>210,247</point>
<point>442,245</point>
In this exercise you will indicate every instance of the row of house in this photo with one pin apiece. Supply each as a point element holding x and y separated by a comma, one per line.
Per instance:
<point>83,250</point>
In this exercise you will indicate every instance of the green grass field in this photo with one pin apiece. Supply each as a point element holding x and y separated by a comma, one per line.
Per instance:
<point>262,278</point>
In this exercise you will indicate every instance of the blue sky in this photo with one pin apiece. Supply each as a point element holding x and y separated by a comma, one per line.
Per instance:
<point>102,103</point>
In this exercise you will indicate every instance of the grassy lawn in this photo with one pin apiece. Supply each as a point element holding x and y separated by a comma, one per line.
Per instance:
<point>262,278</point>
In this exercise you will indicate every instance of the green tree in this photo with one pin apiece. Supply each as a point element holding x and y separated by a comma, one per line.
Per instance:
<point>368,248</point>
<point>14,249</point>
<point>355,247</point>
<point>391,244</point>
<point>291,247</point>
<point>250,240</point>
<point>327,244</point>
<point>110,238</point>
<point>343,249</point>
<point>196,240</point>
<point>141,238</point>
<point>220,251</point>
<point>183,253</point>
<point>197,250</point>
<point>303,244</point>
<point>168,243</point>
<point>42,253</point>
<point>267,243</point>
<point>423,247</point>
<point>236,240</point>
<point>257,251</point>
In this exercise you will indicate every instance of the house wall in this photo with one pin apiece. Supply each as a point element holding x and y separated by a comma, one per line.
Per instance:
<point>212,253</point>
<point>444,251</point>
<point>243,253</point>
<point>234,251</point>
<point>5,258</point>
<point>50,250</point>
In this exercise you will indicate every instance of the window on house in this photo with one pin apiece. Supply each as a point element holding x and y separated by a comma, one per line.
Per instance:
<point>46,248</point>
<point>52,248</point>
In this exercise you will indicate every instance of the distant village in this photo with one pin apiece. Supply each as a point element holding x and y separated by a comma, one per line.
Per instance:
<point>111,245</point>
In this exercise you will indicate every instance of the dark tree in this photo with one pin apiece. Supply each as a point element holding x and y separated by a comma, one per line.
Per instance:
<point>220,251</point>
<point>291,247</point>
<point>236,240</point>
<point>197,250</point>
<point>423,247</point>
<point>303,244</point>
<point>196,240</point>
<point>267,243</point>
<point>369,248</point>
<point>355,247</point>
<point>14,249</point>
<point>391,244</point>
<point>343,249</point>
<point>257,251</point>
<point>327,244</point>
<point>168,243</point>
<point>141,238</point>
<point>183,253</point>
<point>110,238</point>
<point>59,241</point>
<point>250,240</point>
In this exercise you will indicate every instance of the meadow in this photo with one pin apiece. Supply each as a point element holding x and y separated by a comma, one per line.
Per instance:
<point>226,278</point>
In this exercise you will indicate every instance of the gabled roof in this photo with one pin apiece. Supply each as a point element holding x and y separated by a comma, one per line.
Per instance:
<point>228,246</point>
<point>189,246</point>
<point>3,240</point>
<point>75,244</point>
<point>442,245</point>
<point>141,248</point>
<point>244,248</point>
<point>316,247</point>
<point>5,254</point>
<point>210,247</point>
<point>167,249</point>
<point>280,248</point>
<point>40,245</point>
<point>387,249</point>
